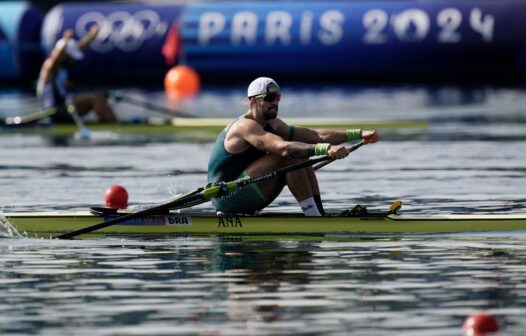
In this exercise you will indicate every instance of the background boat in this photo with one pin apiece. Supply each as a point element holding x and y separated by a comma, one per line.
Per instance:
<point>205,126</point>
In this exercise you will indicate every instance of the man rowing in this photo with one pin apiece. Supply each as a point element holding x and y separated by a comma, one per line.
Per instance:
<point>52,88</point>
<point>259,142</point>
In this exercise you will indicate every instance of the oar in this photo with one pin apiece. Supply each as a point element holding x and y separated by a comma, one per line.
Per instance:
<point>200,195</point>
<point>120,96</point>
<point>352,148</point>
<point>29,118</point>
<point>84,132</point>
<point>14,121</point>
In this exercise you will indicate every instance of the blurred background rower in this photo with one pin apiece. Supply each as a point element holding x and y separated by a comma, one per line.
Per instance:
<point>52,87</point>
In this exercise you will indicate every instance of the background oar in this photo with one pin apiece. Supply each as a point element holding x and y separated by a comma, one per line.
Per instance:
<point>21,120</point>
<point>119,96</point>
<point>199,196</point>
<point>29,118</point>
<point>84,132</point>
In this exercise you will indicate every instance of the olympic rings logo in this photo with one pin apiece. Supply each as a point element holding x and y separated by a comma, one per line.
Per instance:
<point>121,29</point>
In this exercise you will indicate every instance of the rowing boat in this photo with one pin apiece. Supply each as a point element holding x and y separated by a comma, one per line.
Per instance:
<point>44,224</point>
<point>205,125</point>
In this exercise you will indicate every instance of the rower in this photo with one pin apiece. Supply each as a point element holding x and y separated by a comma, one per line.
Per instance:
<point>52,85</point>
<point>259,142</point>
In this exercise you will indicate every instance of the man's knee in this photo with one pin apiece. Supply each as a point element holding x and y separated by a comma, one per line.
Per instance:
<point>272,188</point>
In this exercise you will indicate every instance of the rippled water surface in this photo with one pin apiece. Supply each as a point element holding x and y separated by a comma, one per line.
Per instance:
<point>381,286</point>
<point>471,159</point>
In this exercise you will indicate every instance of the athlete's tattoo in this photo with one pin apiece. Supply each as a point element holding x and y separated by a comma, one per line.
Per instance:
<point>300,150</point>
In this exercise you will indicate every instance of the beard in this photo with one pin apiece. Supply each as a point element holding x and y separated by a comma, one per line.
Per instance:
<point>271,113</point>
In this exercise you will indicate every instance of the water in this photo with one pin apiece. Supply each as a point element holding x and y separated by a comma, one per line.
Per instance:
<point>181,286</point>
<point>471,159</point>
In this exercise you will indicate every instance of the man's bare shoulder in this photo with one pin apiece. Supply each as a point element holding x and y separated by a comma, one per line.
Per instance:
<point>280,127</point>
<point>237,136</point>
<point>245,125</point>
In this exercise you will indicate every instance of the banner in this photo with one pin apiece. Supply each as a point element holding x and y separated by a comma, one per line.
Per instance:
<point>324,40</point>
<point>20,52</point>
<point>313,41</point>
<point>129,45</point>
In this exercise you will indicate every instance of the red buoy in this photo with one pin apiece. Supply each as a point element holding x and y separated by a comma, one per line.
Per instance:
<point>480,323</point>
<point>116,197</point>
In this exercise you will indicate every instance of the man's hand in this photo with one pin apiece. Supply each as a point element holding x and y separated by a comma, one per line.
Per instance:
<point>370,136</point>
<point>67,34</point>
<point>94,30</point>
<point>338,152</point>
<point>89,37</point>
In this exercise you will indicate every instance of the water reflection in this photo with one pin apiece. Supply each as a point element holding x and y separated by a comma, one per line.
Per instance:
<point>265,267</point>
<point>297,285</point>
<point>288,286</point>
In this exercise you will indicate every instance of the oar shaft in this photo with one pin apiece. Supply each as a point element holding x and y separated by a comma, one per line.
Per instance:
<point>282,171</point>
<point>150,106</point>
<point>196,197</point>
<point>24,119</point>
<point>351,149</point>
<point>190,196</point>
<point>121,219</point>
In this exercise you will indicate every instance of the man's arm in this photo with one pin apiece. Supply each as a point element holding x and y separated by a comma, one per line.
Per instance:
<point>312,136</point>
<point>50,65</point>
<point>255,135</point>
<point>334,137</point>
<point>85,41</point>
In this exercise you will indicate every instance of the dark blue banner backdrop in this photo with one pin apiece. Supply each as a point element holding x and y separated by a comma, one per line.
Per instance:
<point>129,46</point>
<point>356,37</point>
<point>318,41</point>
<point>20,52</point>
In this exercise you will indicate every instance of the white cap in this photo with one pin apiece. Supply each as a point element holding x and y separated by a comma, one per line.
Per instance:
<point>71,49</point>
<point>262,85</point>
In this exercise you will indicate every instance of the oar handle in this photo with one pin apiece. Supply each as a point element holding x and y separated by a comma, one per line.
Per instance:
<point>351,149</point>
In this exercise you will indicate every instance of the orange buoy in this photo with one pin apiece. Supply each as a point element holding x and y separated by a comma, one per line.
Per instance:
<point>116,197</point>
<point>480,323</point>
<point>181,82</point>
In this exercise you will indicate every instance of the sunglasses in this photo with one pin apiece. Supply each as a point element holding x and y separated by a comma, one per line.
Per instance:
<point>270,97</point>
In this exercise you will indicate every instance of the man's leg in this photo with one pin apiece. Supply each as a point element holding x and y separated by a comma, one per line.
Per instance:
<point>96,101</point>
<point>313,181</point>
<point>298,181</point>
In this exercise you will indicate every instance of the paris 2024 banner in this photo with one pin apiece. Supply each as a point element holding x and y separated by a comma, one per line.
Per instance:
<point>315,40</point>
